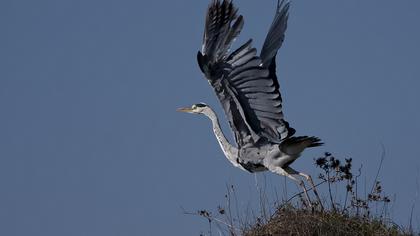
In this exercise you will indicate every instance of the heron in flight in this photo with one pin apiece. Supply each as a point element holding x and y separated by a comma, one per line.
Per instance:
<point>246,85</point>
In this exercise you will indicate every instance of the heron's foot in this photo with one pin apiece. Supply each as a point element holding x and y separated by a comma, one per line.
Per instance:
<point>305,191</point>
<point>311,182</point>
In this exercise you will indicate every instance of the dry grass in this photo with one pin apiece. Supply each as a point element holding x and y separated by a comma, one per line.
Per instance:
<point>289,220</point>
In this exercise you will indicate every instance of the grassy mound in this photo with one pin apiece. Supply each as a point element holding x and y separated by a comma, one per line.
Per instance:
<point>289,220</point>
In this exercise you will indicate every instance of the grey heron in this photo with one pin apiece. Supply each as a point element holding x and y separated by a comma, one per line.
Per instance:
<point>247,87</point>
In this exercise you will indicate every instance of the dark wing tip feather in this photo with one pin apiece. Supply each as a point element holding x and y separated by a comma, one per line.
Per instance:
<point>222,26</point>
<point>275,35</point>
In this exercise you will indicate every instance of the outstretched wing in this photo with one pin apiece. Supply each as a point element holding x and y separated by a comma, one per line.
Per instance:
<point>245,83</point>
<point>272,44</point>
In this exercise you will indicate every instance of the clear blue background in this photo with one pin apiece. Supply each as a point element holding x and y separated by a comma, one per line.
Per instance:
<point>90,143</point>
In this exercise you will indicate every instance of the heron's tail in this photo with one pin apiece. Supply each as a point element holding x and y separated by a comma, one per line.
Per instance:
<point>221,29</point>
<point>296,145</point>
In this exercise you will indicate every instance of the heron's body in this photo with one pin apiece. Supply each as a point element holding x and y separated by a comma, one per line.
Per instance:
<point>254,158</point>
<point>247,87</point>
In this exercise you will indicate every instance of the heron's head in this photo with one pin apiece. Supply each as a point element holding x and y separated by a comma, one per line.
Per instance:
<point>198,108</point>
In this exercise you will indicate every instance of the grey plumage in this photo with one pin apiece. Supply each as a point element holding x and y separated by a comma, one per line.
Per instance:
<point>247,87</point>
<point>243,76</point>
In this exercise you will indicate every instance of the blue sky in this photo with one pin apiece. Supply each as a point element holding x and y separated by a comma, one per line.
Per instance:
<point>90,142</point>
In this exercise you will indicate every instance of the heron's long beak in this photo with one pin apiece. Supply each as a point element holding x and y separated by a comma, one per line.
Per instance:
<point>185,109</point>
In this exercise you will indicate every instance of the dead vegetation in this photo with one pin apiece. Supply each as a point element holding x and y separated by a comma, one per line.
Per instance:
<point>289,220</point>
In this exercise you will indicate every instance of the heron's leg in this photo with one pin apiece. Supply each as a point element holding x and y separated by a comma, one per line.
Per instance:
<point>305,191</point>
<point>311,182</point>
<point>290,173</point>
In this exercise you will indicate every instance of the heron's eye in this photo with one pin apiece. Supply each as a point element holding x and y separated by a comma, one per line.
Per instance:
<point>194,107</point>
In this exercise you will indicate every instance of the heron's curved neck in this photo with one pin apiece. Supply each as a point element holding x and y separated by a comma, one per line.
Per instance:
<point>229,150</point>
